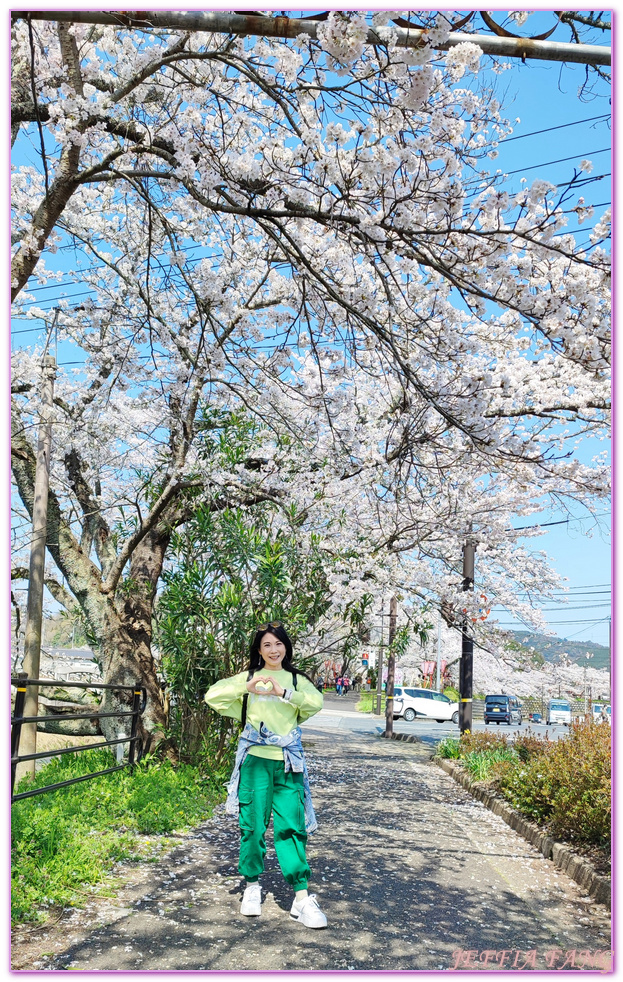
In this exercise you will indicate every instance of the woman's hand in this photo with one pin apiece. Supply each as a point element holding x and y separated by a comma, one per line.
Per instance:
<point>263,690</point>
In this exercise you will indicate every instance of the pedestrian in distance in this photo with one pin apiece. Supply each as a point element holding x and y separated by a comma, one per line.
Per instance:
<point>345,685</point>
<point>270,698</point>
<point>338,686</point>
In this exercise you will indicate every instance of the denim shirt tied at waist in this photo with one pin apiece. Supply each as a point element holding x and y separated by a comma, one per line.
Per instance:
<point>293,758</point>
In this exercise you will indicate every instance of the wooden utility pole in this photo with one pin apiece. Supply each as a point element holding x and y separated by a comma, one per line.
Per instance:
<point>34,612</point>
<point>438,678</point>
<point>467,646</point>
<point>391,669</point>
<point>379,669</point>
<point>610,659</point>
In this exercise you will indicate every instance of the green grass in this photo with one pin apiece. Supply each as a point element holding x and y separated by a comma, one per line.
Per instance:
<point>449,748</point>
<point>65,842</point>
<point>367,702</point>
<point>481,763</point>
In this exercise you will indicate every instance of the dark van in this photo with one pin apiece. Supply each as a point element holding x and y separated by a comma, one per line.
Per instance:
<point>502,709</point>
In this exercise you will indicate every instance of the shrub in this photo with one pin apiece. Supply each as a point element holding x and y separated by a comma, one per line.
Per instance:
<point>471,742</point>
<point>567,785</point>
<point>528,745</point>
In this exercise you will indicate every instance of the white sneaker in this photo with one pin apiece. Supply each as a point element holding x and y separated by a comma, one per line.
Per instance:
<point>308,912</point>
<point>252,901</point>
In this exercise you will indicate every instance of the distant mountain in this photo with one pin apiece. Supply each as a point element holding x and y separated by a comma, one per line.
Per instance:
<point>551,649</point>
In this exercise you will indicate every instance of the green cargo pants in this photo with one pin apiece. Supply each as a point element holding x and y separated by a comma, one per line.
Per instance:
<point>266,788</point>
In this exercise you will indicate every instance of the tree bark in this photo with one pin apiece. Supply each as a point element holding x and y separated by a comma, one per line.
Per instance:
<point>120,621</point>
<point>126,649</point>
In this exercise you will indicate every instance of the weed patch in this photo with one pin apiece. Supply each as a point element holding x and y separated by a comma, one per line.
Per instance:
<point>481,763</point>
<point>367,702</point>
<point>66,840</point>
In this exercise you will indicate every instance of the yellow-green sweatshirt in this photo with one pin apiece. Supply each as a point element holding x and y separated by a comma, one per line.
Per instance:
<point>279,716</point>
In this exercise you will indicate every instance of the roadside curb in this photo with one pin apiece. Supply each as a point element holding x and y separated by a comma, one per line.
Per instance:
<point>563,856</point>
<point>406,737</point>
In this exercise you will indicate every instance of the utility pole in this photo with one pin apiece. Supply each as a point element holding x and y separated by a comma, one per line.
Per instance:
<point>589,654</point>
<point>610,659</point>
<point>391,669</point>
<point>379,669</point>
<point>438,686</point>
<point>467,645</point>
<point>34,611</point>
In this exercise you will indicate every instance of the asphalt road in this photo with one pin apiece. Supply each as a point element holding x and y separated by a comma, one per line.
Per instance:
<point>339,713</point>
<point>412,872</point>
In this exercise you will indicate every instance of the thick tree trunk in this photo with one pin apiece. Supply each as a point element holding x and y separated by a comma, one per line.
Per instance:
<point>121,620</point>
<point>126,646</point>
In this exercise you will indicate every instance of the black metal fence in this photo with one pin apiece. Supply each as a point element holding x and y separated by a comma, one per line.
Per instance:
<point>21,682</point>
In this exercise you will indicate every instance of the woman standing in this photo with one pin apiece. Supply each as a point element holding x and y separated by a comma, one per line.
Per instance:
<point>270,775</point>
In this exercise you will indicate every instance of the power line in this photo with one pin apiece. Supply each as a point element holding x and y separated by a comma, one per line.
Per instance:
<point>492,177</point>
<point>549,129</point>
<point>588,586</point>
<point>563,521</point>
<point>602,620</point>
<point>563,608</point>
<point>562,160</point>
<point>188,264</point>
<point>582,632</point>
<point>561,603</point>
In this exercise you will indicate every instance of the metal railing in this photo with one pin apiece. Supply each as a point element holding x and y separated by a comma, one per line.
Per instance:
<point>135,751</point>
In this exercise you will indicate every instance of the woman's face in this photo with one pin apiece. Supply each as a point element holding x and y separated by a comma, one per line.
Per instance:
<point>272,651</point>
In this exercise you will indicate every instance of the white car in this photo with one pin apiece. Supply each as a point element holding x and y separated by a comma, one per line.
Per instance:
<point>410,703</point>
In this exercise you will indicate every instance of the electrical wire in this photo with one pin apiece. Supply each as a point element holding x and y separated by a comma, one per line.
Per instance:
<point>550,163</point>
<point>492,177</point>
<point>601,620</point>
<point>189,263</point>
<point>550,129</point>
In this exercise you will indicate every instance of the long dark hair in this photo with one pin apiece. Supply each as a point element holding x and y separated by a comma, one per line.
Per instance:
<point>256,661</point>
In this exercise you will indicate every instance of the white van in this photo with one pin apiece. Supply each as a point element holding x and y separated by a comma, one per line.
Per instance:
<point>410,703</point>
<point>559,711</point>
<point>601,713</point>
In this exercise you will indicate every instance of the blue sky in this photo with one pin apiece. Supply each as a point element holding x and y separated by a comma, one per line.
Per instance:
<point>544,95</point>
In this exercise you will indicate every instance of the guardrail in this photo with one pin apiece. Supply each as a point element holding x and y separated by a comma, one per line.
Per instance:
<point>135,751</point>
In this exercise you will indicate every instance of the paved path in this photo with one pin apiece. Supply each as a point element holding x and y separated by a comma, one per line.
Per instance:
<point>407,866</point>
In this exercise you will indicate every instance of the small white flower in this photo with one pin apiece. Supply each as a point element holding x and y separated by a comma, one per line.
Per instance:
<point>586,166</point>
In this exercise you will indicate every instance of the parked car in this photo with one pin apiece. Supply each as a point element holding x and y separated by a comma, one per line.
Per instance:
<point>410,703</point>
<point>559,711</point>
<point>535,717</point>
<point>502,709</point>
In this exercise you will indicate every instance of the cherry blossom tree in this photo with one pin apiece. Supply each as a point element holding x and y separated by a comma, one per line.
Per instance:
<point>305,232</point>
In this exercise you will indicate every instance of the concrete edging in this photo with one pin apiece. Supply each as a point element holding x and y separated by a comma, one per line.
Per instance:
<point>563,856</point>
<point>406,737</point>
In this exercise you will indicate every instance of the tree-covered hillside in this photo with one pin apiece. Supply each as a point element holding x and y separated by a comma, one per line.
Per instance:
<point>553,649</point>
